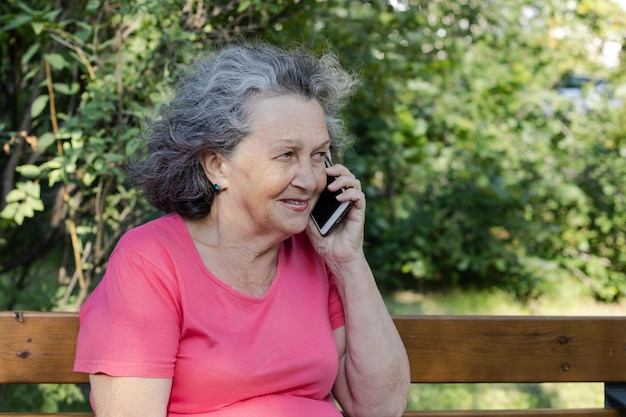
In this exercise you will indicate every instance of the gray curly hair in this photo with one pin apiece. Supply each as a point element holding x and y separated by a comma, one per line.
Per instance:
<point>209,113</point>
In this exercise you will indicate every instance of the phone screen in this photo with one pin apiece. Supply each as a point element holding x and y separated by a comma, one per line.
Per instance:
<point>328,212</point>
<point>326,204</point>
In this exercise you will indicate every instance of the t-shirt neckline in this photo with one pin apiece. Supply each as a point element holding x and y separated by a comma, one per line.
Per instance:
<point>239,294</point>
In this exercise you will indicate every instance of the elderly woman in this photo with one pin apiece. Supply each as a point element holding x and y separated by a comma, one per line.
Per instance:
<point>233,304</point>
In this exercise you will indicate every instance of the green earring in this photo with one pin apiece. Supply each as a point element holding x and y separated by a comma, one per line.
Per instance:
<point>216,187</point>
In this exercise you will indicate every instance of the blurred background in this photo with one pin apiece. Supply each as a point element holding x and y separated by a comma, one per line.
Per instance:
<point>490,141</point>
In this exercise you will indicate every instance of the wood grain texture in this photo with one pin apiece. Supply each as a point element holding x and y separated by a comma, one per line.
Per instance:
<point>478,349</point>
<point>38,347</point>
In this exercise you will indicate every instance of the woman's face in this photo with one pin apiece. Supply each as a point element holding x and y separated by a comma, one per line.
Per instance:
<point>277,172</point>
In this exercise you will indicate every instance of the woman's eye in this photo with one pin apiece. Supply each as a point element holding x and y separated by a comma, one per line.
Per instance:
<point>320,155</point>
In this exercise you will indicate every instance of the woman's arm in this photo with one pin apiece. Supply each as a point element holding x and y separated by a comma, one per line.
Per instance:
<point>374,375</point>
<point>130,396</point>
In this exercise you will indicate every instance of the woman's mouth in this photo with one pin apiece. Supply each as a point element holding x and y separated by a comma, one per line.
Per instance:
<point>296,204</point>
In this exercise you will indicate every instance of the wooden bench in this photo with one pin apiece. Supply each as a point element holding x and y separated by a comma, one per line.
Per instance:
<point>38,347</point>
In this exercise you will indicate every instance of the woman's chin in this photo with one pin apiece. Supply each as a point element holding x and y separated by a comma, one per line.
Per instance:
<point>295,228</point>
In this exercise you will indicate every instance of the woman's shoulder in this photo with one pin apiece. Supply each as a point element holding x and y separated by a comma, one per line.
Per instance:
<point>165,231</point>
<point>159,245</point>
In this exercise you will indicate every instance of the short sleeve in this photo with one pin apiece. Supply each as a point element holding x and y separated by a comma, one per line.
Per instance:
<point>335,306</point>
<point>130,325</point>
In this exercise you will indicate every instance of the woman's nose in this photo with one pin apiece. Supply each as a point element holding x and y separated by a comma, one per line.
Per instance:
<point>308,176</point>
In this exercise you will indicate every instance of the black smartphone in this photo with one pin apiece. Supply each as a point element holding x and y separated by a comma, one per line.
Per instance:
<point>328,212</point>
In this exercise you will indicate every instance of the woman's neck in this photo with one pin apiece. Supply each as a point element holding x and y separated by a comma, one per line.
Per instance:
<point>246,263</point>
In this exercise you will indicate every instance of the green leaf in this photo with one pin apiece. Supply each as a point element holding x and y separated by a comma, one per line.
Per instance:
<point>15,22</point>
<point>93,5</point>
<point>89,178</point>
<point>31,189</point>
<point>45,140</point>
<point>113,157</point>
<point>52,14</point>
<point>70,167</point>
<point>29,53</point>
<point>23,202</point>
<point>10,211</point>
<point>243,6</point>
<point>55,176</point>
<point>57,61</point>
<point>55,163</point>
<point>15,195</point>
<point>39,105</point>
<point>30,171</point>
<point>19,216</point>
<point>37,205</point>
<point>67,89</point>
<point>26,210</point>
<point>31,74</point>
<point>38,27</point>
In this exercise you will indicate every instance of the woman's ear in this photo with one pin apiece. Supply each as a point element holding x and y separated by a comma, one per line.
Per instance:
<point>213,165</point>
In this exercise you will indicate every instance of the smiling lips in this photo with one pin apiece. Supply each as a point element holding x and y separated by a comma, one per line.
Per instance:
<point>297,204</point>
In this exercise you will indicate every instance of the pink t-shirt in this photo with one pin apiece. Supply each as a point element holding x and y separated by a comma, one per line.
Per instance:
<point>159,312</point>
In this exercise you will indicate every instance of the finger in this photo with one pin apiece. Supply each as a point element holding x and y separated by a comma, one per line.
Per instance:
<point>339,170</point>
<point>345,183</point>
<point>357,197</point>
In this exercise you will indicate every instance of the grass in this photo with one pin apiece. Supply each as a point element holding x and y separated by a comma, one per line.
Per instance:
<point>571,299</point>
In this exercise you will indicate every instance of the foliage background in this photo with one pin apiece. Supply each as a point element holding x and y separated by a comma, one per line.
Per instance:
<point>479,172</point>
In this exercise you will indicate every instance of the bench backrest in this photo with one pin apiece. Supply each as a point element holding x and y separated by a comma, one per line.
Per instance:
<point>37,347</point>
<point>515,349</point>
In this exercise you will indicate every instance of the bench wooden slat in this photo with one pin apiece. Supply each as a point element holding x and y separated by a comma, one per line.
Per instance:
<point>40,349</point>
<point>515,349</point>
